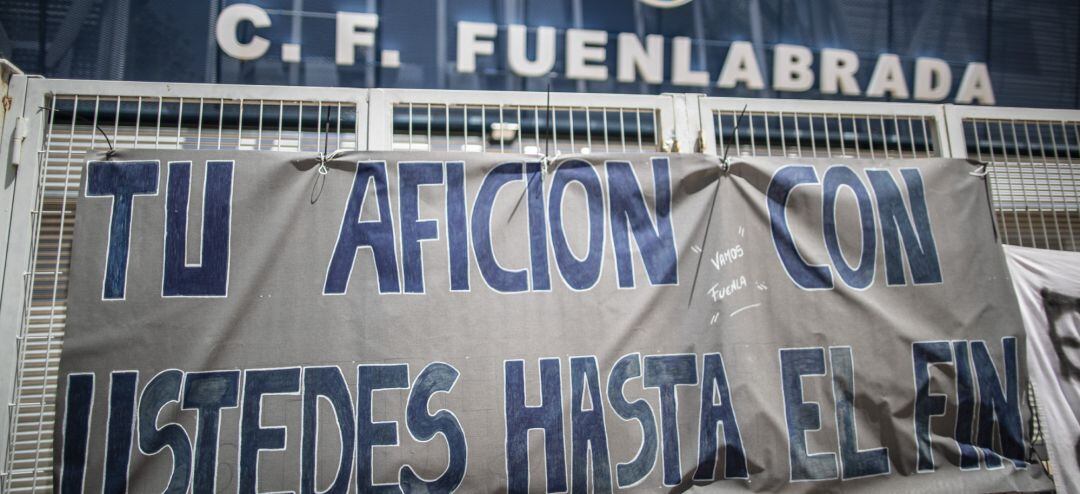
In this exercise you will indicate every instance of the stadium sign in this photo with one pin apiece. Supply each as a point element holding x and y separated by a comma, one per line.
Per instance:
<point>795,68</point>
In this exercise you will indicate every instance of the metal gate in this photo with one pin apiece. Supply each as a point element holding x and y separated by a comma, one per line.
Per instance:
<point>51,124</point>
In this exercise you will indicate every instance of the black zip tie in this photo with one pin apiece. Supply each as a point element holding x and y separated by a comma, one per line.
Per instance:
<point>326,143</point>
<point>547,116</point>
<point>543,159</point>
<point>75,114</point>
<point>724,166</point>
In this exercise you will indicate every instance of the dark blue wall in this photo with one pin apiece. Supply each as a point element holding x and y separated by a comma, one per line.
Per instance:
<point>1030,46</point>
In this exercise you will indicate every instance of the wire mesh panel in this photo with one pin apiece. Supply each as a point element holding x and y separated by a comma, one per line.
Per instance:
<point>531,123</point>
<point>530,129</point>
<point>812,129</point>
<point>1033,178</point>
<point>809,135</point>
<point>76,124</point>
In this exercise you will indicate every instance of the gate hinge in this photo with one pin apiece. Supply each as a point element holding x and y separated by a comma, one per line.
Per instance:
<point>17,139</point>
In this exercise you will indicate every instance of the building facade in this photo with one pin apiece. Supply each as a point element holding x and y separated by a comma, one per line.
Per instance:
<point>1021,53</point>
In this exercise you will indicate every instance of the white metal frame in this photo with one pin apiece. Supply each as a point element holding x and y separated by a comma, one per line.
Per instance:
<point>382,102</point>
<point>709,106</point>
<point>23,191</point>
<point>955,115</point>
<point>684,123</point>
<point>1034,173</point>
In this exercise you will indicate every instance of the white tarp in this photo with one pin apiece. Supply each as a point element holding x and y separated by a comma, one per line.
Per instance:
<point>1048,287</point>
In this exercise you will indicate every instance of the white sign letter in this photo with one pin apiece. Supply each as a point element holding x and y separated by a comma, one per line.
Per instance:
<point>681,75</point>
<point>225,31</point>
<point>470,44</point>
<point>975,85</point>
<point>741,65</point>
<point>518,54</point>
<point>634,59</point>
<point>791,68</point>
<point>838,68</point>
<point>888,77</point>
<point>353,29</point>
<point>933,79</point>
<point>582,47</point>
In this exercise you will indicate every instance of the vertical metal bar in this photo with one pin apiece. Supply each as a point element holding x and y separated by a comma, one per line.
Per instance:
<point>259,136</point>
<point>753,144</point>
<point>220,121</point>
<point>554,128</point>
<point>157,127</point>
<point>502,123</point>
<point>1072,171</point>
<point>410,118</point>
<point>536,127</point>
<point>588,128</point>
<point>198,133</point>
<point>622,129</point>
<point>978,142</point>
<point>337,130</point>
<point>855,128</point>
<point>521,130</point>
<point>992,175</point>
<point>783,136</point>
<point>116,121</point>
<point>1008,178</point>
<point>138,121</point>
<point>1035,179</point>
<point>1049,184</point>
<point>926,138</point>
<point>828,138</point>
<point>798,134</point>
<point>895,132</point>
<point>300,127</point>
<point>606,147</point>
<point>720,133</point>
<point>179,123</point>
<point>280,124</point>
<point>447,125</point>
<point>465,116</point>
<point>573,148</point>
<point>637,114</point>
<point>911,135</point>
<point>93,130</point>
<point>483,128</point>
<point>735,130</point>
<point>240,126</point>
<point>1065,198</point>
<point>870,139</point>
<point>768,138</point>
<point>843,141</point>
<point>429,146</point>
<point>813,135</point>
<point>1023,186</point>
<point>657,131</point>
<point>318,125</point>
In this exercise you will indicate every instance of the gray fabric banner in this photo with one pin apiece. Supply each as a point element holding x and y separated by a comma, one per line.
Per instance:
<point>240,321</point>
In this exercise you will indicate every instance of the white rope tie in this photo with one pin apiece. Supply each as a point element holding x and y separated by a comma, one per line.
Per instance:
<point>324,158</point>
